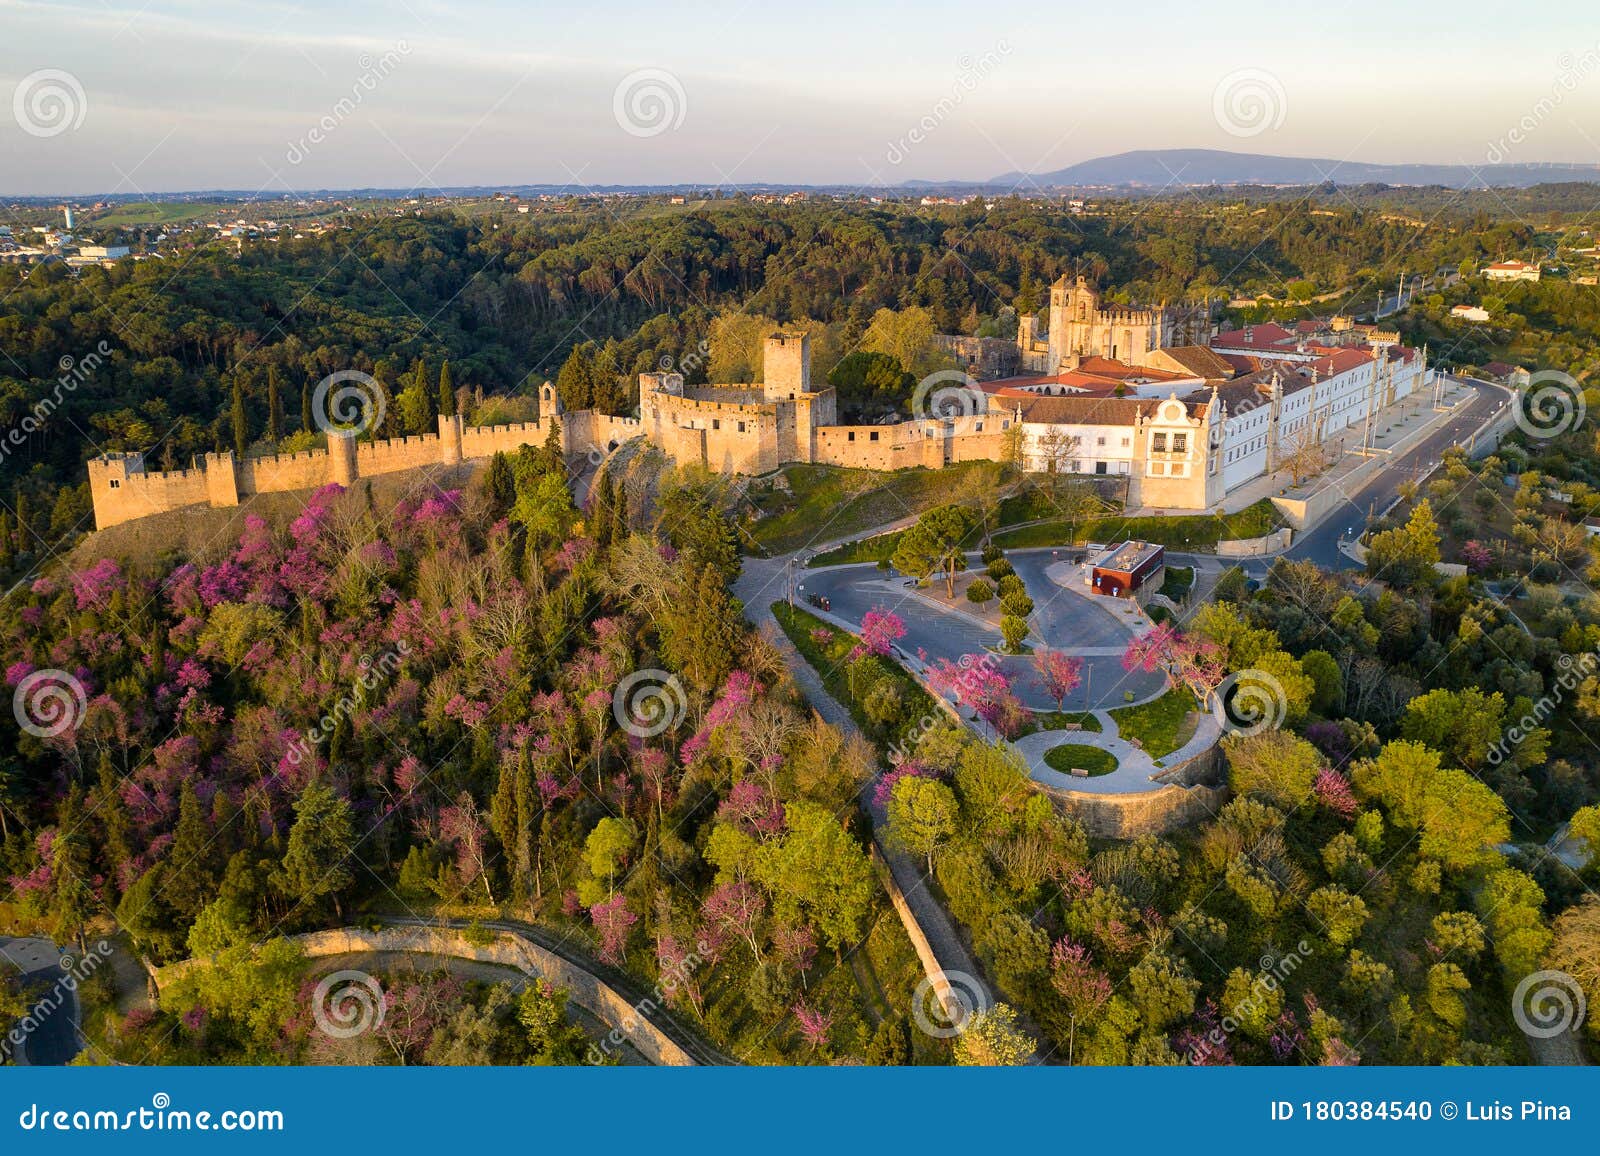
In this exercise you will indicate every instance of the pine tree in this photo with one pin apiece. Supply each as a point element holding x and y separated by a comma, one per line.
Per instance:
<point>116,825</point>
<point>72,896</point>
<point>241,422</point>
<point>447,392</point>
<point>551,459</point>
<point>601,516</point>
<point>191,879</point>
<point>274,405</point>
<point>500,484</point>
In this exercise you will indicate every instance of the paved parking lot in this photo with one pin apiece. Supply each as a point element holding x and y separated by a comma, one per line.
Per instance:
<point>1062,620</point>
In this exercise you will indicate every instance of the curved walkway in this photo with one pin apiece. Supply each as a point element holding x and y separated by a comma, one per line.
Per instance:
<point>760,584</point>
<point>1136,769</point>
<point>646,1004</point>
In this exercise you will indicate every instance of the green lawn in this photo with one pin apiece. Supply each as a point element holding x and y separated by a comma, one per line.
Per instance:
<point>136,213</point>
<point>1187,532</point>
<point>1159,724</point>
<point>1068,756</point>
<point>840,675</point>
<point>1057,720</point>
<point>826,502</point>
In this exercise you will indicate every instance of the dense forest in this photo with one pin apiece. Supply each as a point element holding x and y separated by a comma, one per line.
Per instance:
<point>387,710</point>
<point>215,347</point>
<point>380,708</point>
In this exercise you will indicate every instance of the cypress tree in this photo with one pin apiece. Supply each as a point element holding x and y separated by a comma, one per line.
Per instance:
<point>602,516</point>
<point>116,826</point>
<point>191,881</point>
<point>500,484</point>
<point>241,422</point>
<point>305,407</point>
<point>274,405</point>
<point>24,529</point>
<point>551,460</point>
<point>447,392</point>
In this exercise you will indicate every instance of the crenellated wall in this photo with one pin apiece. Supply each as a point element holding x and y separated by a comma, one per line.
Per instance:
<point>122,489</point>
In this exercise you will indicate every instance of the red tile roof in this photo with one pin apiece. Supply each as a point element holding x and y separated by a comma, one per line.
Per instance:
<point>1256,336</point>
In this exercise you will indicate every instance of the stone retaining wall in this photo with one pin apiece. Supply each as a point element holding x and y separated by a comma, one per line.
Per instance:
<point>505,949</point>
<point>1250,547</point>
<point>931,967</point>
<point>1188,793</point>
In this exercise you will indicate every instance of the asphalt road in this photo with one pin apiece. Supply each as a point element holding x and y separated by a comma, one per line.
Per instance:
<point>53,1039</point>
<point>1061,620</point>
<point>1321,545</point>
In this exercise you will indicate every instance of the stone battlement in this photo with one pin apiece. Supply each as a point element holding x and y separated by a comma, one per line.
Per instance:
<point>744,429</point>
<point>123,490</point>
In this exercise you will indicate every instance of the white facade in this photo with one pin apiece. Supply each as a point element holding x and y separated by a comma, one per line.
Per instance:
<point>1077,449</point>
<point>1511,271</point>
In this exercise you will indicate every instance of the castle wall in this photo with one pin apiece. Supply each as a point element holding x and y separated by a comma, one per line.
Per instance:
<point>302,471</point>
<point>138,495</point>
<point>487,440</point>
<point>882,447</point>
<point>396,454</point>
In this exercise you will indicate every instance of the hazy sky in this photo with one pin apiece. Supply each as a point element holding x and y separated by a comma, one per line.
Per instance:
<point>101,95</point>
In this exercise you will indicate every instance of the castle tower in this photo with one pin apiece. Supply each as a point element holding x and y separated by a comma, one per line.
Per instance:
<point>450,426</point>
<point>342,457</point>
<point>108,487</point>
<point>222,480</point>
<point>786,366</point>
<point>550,402</point>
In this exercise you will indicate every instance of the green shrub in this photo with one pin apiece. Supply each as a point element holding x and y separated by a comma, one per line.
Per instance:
<point>1000,568</point>
<point>1016,605</point>
<point>980,591</point>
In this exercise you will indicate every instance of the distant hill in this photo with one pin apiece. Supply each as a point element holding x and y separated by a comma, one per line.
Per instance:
<point>1159,168</point>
